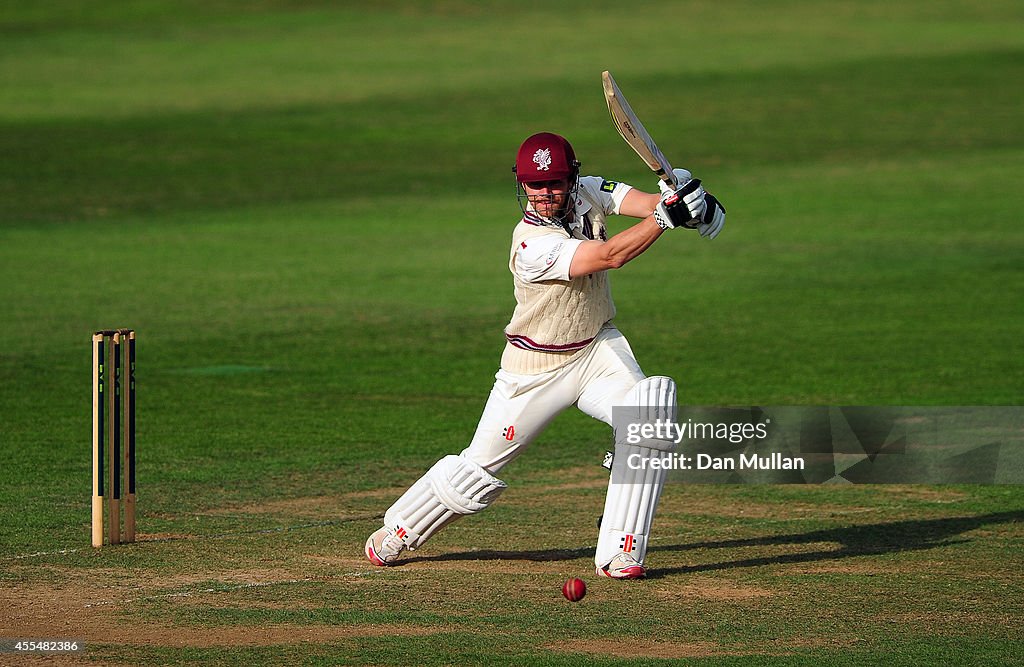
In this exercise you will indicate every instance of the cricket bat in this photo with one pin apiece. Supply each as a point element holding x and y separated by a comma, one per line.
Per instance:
<point>632,130</point>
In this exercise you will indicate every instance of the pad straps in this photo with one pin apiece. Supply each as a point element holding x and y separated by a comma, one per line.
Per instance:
<point>452,487</point>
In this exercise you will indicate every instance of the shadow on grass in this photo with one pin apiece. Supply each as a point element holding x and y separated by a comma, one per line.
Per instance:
<point>866,540</point>
<point>853,541</point>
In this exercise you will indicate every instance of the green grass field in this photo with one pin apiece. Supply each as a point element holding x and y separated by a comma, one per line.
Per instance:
<point>303,208</point>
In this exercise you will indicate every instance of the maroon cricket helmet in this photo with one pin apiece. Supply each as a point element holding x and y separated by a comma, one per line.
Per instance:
<point>546,157</point>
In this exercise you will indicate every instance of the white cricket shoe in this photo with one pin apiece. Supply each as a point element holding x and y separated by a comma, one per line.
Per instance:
<point>384,546</point>
<point>623,566</point>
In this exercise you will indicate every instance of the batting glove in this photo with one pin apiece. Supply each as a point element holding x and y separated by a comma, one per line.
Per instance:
<point>683,207</point>
<point>713,220</point>
<point>682,177</point>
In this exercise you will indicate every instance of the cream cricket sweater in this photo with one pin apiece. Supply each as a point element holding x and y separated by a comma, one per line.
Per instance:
<point>554,320</point>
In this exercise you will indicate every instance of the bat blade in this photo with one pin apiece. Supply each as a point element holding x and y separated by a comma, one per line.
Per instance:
<point>633,131</point>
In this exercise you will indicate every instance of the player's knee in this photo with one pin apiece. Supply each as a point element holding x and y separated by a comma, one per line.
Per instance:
<point>492,454</point>
<point>649,407</point>
<point>657,391</point>
<point>463,485</point>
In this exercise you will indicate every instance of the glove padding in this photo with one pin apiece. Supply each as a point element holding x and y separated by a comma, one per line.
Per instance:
<point>689,206</point>
<point>681,207</point>
<point>713,219</point>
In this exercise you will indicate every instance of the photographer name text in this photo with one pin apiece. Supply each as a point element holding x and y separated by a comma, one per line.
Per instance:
<point>774,461</point>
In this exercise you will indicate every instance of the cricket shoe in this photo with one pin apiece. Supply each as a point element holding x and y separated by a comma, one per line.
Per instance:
<point>384,545</point>
<point>623,566</point>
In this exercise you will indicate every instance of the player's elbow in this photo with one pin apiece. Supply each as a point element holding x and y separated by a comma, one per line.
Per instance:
<point>595,256</point>
<point>615,255</point>
<point>595,262</point>
<point>615,261</point>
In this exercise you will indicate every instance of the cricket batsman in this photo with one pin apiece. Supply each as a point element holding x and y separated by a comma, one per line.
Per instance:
<point>562,349</point>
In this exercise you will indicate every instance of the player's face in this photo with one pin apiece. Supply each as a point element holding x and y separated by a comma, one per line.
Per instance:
<point>547,197</point>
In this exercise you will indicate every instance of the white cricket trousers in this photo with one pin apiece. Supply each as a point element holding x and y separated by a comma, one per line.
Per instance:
<point>520,407</point>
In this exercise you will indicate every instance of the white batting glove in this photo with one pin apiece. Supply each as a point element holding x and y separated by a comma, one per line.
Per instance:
<point>683,207</point>
<point>689,206</point>
<point>682,177</point>
<point>713,219</point>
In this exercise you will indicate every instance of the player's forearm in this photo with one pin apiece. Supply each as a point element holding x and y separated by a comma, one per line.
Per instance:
<point>630,243</point>
<point>627,245</point>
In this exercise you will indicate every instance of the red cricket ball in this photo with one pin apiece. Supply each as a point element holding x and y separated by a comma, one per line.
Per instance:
<point>574,590</point>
